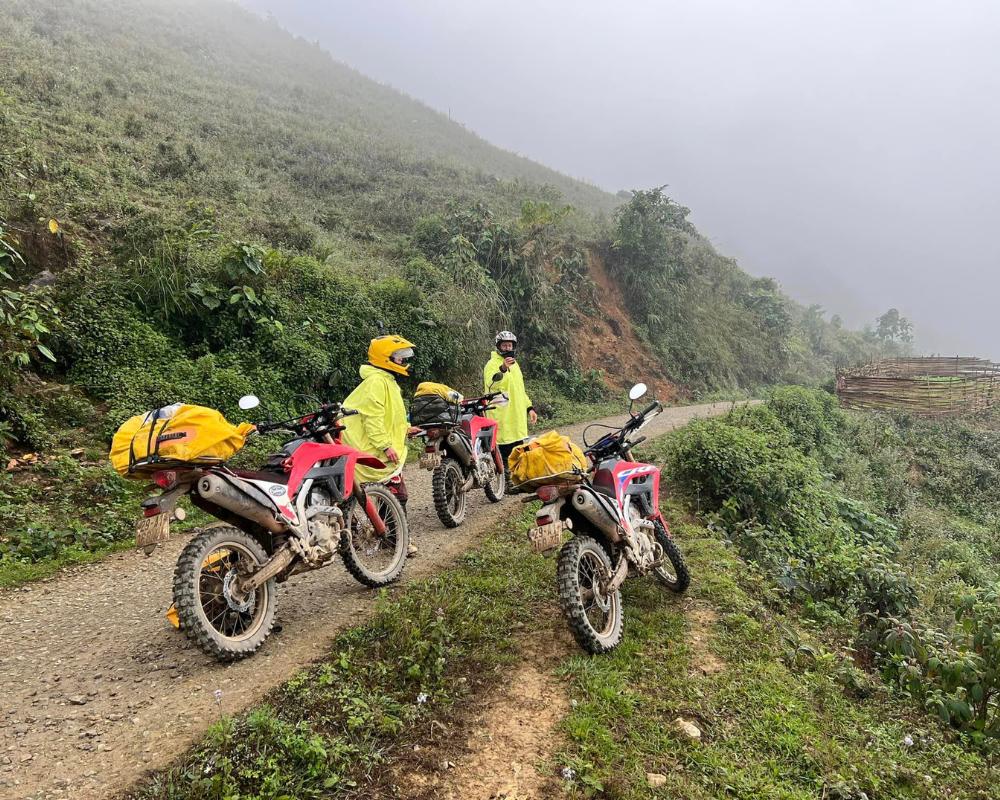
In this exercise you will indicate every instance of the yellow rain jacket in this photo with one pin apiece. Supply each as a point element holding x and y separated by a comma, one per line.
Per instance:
<point>512,418</point>
<point>379,423</point>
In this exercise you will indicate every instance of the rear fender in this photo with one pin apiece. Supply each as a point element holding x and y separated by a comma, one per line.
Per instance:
<point>550,512</point>
<point>164,503</point>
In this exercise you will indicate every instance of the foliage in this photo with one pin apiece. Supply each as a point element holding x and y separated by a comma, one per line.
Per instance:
<point>527,274</point>
<point>778,479</point>
<point>955,675</point>
<point>714,325</point>
<point>784,711</point>
<point>893,327</point>
<point>25,317</point>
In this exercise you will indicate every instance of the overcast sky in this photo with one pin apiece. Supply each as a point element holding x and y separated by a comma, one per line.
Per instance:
<point>849,149</point>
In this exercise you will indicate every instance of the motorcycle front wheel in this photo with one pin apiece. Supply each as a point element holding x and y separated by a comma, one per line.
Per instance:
<point>372,558</point>
<point>448,486</point>
<point>594,616</point>
<point>210,611</point>
<point>673,573</point>
<point>496,487</point>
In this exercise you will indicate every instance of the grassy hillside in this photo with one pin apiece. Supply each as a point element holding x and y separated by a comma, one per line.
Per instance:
<point>134,104</point>
<point>215,207</point>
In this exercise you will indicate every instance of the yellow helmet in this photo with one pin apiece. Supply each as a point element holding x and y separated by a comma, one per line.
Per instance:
<point>392,353</point>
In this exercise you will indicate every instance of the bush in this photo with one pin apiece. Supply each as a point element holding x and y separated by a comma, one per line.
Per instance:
<point>812,417</point>
<point>956,677</point>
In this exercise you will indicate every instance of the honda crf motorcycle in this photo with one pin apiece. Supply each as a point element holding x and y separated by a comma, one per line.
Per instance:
<point>617,530</point>
<point>297,512</point>
<point>464,455</point>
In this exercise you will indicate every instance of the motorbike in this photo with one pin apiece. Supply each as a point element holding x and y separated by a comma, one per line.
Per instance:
<point>462,454</point>
<point>611,512</point>
<point>295,514</point>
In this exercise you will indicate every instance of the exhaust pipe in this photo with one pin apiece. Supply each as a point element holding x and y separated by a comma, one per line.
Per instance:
<point>460,448</point>
<point>595,512</point>
<point>215,490</point>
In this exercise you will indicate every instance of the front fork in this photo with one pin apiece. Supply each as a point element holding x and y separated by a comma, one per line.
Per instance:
<point>498,461</point>
<point>369,506</point>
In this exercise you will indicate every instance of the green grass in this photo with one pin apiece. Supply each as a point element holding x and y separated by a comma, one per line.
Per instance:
<point>17,573</point>
<point>776,723</point>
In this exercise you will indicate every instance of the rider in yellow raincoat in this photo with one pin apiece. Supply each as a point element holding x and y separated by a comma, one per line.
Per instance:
<point>380,427</point>
<point>512,419</point>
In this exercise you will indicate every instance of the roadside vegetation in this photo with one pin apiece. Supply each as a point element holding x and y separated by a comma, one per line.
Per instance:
<point>880,529</point>
<point>333,729</point>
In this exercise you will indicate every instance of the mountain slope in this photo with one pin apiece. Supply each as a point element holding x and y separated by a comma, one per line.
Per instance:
<point>203,98</point>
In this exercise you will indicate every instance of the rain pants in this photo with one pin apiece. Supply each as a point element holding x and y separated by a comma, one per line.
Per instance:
<point>380,422</point>
<point>512,419</point>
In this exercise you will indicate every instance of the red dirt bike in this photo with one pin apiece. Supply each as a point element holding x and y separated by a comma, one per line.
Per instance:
<point>462,453</point>
<point>295,514</point>
<point>613,514</point>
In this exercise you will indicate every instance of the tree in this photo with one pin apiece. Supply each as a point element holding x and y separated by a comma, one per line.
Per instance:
<point>893,328</point>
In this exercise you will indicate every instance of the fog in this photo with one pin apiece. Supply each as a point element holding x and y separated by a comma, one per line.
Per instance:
<point>848,149</point>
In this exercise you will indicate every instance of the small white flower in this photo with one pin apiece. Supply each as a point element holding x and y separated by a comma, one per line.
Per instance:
<point>217,694</point>
<point>422,698</point>
<point>908,741</point>
<point>568,773</point>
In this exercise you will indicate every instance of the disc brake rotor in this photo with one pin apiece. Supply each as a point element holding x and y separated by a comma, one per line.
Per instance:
<point>247,605</point>
<point>602,600</point>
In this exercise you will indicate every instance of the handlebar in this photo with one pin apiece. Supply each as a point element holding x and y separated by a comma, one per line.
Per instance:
<point>617,440</point>
<point>654,406</point>
<point>485,400</point>
<point>314,422</point>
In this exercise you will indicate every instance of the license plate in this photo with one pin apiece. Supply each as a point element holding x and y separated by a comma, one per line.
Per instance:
<point>430,461</point>
<point>547,537</point>
<point>151,531</point>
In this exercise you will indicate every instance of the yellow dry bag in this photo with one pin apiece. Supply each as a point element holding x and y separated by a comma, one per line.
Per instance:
<point>175,434</point>
<point>550,459</point>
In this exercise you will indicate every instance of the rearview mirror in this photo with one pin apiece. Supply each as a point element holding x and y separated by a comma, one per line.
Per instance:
<point>249,401</point>
<point>496,376</point>
<point>637,391</point>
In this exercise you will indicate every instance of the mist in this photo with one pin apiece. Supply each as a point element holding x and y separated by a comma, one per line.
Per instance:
<point>847,149</point>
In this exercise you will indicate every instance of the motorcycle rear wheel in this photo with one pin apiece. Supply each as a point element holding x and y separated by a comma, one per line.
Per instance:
<point>223,625</point>
<point>595,619</point>
<point>374,559</point>
<point>450,501</point>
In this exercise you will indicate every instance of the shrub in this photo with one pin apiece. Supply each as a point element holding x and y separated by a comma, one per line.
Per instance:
<point>812,417</point>
<point>956,676</point>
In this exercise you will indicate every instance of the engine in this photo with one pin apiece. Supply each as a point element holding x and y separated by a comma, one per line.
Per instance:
<point>326,526</point>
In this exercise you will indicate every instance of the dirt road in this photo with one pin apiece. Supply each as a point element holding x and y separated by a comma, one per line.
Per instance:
<point>97,687</point>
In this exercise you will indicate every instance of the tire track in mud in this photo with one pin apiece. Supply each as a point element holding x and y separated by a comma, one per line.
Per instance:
<point>97,688</point>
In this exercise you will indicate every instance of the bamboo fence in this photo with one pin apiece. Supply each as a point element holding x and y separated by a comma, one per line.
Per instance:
<point>926,386</point>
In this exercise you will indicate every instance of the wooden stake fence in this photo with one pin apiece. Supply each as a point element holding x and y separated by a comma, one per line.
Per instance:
<point>927,386</point>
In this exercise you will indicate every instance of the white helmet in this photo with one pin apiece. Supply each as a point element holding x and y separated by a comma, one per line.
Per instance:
<point>506,336</point>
